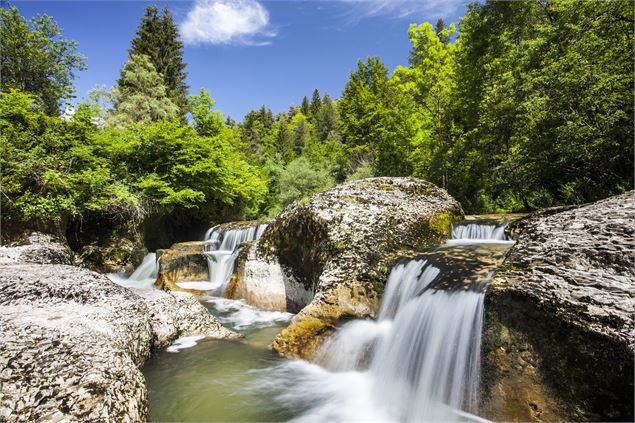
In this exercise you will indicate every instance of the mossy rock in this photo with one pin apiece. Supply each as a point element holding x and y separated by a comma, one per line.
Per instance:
<point>341,244</point>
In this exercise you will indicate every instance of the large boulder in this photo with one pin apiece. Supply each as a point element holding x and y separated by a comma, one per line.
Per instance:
<point>72,341</point>
<point>328,257</point>
<point>36,247</point>
<point>559,336</point>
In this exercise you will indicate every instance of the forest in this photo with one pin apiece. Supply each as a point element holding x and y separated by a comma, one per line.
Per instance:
<point>518,106</point>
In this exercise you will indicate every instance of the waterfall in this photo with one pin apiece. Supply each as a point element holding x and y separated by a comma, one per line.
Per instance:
<point>222,248</point>
<point>481,230</point>
<point>419,361</point>
<point>143,277</point>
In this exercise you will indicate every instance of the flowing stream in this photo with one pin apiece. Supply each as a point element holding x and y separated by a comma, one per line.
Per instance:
<point>418,361</point>
<point>211,380</point>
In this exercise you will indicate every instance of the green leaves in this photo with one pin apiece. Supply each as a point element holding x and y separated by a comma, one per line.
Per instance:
<point>157,38</point>
<point>56,171</point>
<point>207,121</point>
<point>141,97</point>
<point>548,88</point>
<point>36,59</point>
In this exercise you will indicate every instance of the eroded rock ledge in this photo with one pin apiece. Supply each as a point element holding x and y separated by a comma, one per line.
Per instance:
<point>559,338</point>
<point>72,340</point>
<point>330,256</point>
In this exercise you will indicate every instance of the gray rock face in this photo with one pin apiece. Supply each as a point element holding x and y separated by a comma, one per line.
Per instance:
<point>179,314</point>
<point>559,335</point>
<point>36,248</point>
<point>335,250</point>
<point>72,341</point>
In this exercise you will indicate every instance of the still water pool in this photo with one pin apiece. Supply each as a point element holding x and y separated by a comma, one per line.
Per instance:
<point>214,380</point>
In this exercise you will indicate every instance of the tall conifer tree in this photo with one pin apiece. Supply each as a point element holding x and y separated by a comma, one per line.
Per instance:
<point>316,104</point>
<point>325,119</point>
<point>158,38</point>
<point>305,109</point>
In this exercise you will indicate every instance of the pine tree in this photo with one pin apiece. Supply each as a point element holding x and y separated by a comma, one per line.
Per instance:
<point>142,96</point>
<point>158,38</point>
<point>441,32</point>
<point>300,135</point>
<point>284,144</point>
<point>305,109</point>
<point>316,105</point>
<point>325,119</point>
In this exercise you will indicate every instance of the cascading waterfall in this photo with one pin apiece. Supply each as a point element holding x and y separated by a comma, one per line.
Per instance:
<point>222,248</point>
<point>143,277</point>
<point>420,360</point>
<point>484,232</point>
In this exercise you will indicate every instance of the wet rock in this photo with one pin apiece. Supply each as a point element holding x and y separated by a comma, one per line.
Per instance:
<point>241,224</point>
<point>107,246</point>
<point>72,341</point>
<point>261,282</point>
<point>559,338</point>
<point>334,251</point>
<point>175,314</point>
<point>182,262</point>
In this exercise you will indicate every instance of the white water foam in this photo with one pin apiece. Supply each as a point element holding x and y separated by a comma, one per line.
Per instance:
<point>240,316</point>
<point>479,230</point>
<point>184,342</point>
<point>143,277</point>
<point>418,362</point>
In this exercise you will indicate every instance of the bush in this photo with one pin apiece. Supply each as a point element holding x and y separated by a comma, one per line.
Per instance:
<point>301,178</point>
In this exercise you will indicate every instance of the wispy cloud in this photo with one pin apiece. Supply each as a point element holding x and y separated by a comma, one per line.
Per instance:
<point>403,8</point>
<point>244,22</point>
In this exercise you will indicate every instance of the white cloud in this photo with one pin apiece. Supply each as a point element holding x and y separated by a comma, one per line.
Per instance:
<point>243,22</point>
<point>404,8</point>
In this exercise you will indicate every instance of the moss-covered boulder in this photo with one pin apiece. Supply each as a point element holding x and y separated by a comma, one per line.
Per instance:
<point>559,336</point>
<point>329,256</point>
<point>182,262</point>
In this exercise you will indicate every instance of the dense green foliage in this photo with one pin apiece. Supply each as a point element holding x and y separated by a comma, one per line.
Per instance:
<point>141,96</point>
<point>544,103</point>
<point>529,104</point>
<point>35,58</point>
<point>56,172</point>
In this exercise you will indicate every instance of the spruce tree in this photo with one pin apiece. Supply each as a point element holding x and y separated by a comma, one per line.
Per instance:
<point>305,109</point>
<point>316,105</point>
<point>300,136</point>
<point>158,38</point>
<point>325,119</point>
<point>441,32</point>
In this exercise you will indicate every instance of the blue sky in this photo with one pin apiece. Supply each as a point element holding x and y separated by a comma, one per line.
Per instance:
<point>251,52</point>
